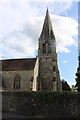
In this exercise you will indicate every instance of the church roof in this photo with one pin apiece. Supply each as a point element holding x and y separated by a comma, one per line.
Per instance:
<point>47,30</point>
<point>18,64</point>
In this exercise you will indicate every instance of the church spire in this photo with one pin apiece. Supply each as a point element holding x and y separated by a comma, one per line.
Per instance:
<point>47,31</point>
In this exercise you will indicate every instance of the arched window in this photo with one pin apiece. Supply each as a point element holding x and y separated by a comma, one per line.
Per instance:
<point>54,68</point>
<point>54,79</point>
<point>44,48</point>
<point>49,48</point>
<point>3,84</point>
<point>31,83</point>
<point>17,82</point>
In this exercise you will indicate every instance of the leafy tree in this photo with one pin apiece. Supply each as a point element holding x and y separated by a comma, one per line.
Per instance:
<point>78,79</point>
<point>65,86</point>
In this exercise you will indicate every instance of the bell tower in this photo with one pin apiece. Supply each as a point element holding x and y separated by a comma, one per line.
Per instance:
<point>48,73</point>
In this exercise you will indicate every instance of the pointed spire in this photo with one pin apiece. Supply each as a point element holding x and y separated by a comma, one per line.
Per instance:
<point>47,31</point>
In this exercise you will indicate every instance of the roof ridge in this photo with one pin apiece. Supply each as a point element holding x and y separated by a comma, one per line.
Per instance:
<point>17,59</point>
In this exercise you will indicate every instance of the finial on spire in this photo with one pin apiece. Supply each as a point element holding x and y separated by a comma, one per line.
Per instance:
<point>47,9</point>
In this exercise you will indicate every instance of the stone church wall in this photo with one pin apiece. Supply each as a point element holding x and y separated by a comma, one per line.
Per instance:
<point>25,76</point>
<point>35,80</point>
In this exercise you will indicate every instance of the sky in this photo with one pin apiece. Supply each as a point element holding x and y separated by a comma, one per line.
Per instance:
<point>21,23</point>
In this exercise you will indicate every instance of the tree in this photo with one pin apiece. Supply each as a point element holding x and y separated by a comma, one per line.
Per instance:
<point>65,86</point>
<point>78,79</point>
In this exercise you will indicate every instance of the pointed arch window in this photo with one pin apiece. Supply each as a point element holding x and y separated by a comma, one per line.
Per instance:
<point>31,83</point>
<point>54,68</point>
<point>17,82</point>
<point>44,48</point>
<point>54,79</point>
<point>49,48</point>
<point>3,84</point>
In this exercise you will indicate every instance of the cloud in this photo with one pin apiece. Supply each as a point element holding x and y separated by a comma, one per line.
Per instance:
<point>25,41</point>
<point>20,28</point>
<point>65,28</point>
<point>71,83</point>
<point>55,6</point>
<point>14,13</point>
<point>65,61</point>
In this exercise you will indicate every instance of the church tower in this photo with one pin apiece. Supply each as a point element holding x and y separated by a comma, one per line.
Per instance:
<point>48,73</point>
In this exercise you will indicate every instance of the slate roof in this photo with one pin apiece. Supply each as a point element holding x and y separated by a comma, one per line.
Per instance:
<point>18,64</point>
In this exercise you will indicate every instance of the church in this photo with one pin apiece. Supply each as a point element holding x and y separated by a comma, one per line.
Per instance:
<point>35,74</point>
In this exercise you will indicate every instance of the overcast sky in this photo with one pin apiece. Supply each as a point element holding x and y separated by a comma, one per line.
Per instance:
<point>21,23</point>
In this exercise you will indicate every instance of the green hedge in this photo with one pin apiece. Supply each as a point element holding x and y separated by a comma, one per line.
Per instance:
<point>41,94</point>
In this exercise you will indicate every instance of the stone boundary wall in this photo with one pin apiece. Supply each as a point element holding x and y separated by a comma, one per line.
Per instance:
<point>42,104</point>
